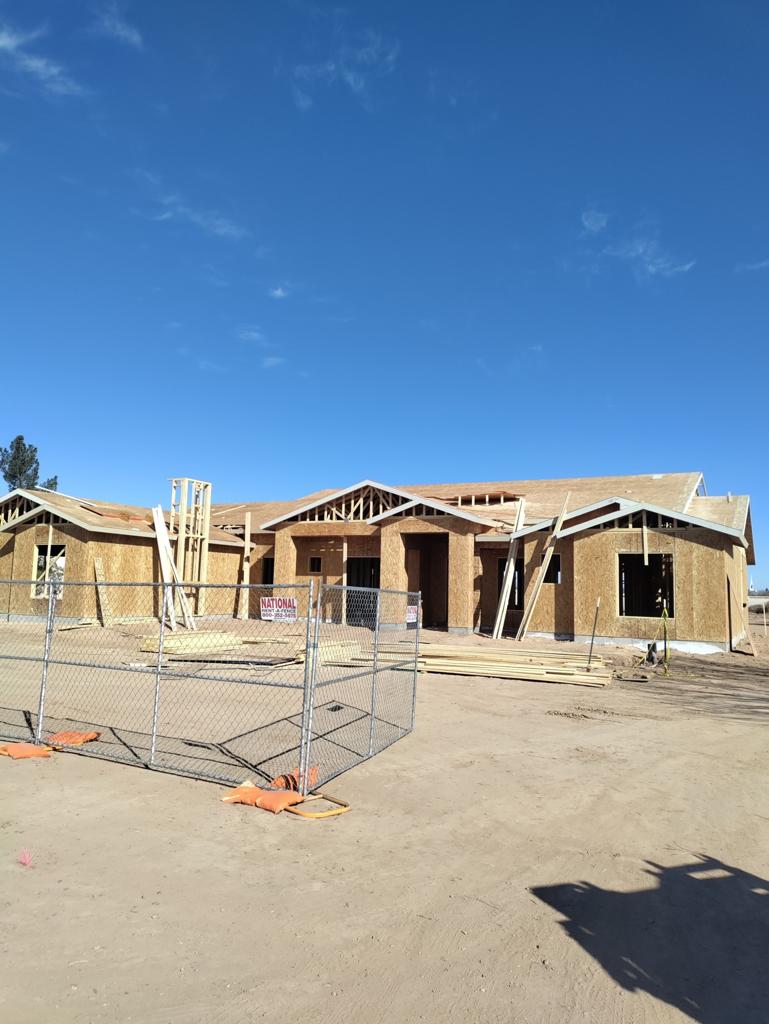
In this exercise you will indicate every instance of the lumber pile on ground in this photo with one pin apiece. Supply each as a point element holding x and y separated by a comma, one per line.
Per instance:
<point>510,662</point>
<point>200,642</point>
<point>514,662</point>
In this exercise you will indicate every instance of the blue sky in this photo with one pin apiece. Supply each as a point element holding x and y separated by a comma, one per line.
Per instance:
<point>287,245</point>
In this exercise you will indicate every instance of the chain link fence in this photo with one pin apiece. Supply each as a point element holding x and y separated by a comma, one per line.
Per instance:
<point>224,683</point>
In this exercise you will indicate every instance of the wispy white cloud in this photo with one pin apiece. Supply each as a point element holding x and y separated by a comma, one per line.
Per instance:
<point>173,207</point>
<point>110,22</point>
<point>210,221</point>
<point>639,248</point>
<point>279,292</point>
<point>174,325</point>
<point>593,220</point>
<point>253,335</point>
<point>5,147</point>
<point>743,268</point>
<point>46,73</point>
<point>648,258</point>
<point>271,362</point>
<point>353,66</point>
<point>148,177</point>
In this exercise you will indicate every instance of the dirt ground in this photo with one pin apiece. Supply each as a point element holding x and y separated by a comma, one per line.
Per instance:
<point>531,853</point>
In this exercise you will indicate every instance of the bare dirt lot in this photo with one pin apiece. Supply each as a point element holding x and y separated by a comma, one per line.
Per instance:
<point>532,853</point>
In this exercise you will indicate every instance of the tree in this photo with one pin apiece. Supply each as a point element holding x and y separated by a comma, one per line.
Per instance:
<point>20,466</point>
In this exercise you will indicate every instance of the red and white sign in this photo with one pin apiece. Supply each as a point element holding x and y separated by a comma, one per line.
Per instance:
<point>412,612</point>
<point>278,609</point>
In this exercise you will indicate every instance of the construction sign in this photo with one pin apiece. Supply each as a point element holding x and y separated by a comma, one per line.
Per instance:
<point>277,609</point>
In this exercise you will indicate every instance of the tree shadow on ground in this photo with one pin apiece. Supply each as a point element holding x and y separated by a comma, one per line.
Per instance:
<point>699,940</point>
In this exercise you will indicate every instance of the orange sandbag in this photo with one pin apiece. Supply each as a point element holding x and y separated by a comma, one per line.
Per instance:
<point>72,739</point>
<point>291,779</point>
<point>266,799</point>
<point>18,751</point>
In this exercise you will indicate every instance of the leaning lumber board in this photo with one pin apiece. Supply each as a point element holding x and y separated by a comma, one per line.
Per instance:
<point>507,579</point>
<point>541,572</point>
<point>102,592</point>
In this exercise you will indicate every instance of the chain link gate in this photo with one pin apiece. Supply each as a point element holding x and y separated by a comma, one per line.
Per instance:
<point>272,679</point>
<point>363,688</point>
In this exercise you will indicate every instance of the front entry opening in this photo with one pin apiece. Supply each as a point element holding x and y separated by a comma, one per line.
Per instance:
<point>363,572</point>
<point>427,562</point>
<point>361,607</point>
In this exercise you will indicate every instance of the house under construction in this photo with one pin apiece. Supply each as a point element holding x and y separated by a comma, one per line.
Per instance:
<point>559,558</point>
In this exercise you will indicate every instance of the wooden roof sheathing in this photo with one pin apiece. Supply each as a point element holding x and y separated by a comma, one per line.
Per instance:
<point>234,514</point>
<point>545,497</point>
<point>107,517</point>
<point>731,512</point>
<point>673,492</point>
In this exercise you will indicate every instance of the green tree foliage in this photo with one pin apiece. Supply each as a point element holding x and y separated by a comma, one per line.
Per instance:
<point>20,466</point>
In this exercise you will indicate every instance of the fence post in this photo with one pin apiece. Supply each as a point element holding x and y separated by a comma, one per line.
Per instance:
<point>310,649</point>
<point>49,619</point>
<point>373,673</point>
<point>158,670</point>
<point>416,661</point>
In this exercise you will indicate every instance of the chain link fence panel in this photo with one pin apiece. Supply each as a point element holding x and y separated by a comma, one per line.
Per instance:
<point>218,682</point>
<point>363,684</point>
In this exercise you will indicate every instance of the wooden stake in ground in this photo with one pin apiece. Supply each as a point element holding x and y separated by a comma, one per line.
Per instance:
<point>540,579</point>
<point>509,575</point>
<point>595,625</point>
<point>245,594</point>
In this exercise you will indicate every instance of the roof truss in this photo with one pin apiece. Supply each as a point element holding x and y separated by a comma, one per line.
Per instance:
<point>626,508</point>
<point>432,507</point>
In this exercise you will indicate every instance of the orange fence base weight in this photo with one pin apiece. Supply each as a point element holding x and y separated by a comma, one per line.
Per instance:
<point>72,739</point>
<point>19,751</point>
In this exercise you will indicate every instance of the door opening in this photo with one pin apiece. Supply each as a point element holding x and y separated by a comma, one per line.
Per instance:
<point>360,605</point>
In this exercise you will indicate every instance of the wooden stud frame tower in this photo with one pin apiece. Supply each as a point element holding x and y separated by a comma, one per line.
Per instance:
<point>189,526</point>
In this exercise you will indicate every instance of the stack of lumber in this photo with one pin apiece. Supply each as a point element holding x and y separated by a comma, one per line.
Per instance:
<point>200,642</point>
<point>514,662</point>
<point>509,662</point>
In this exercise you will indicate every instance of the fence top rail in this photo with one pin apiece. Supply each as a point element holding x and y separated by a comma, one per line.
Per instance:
<point>158,583</point>
<point>371,590</point>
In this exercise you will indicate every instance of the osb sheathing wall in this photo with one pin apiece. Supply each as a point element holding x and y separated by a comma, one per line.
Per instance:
<point>699,580</point>
<point>124,560</point>
<point>264,547</point>
<point>590,568</point>
<point>399,567</point>
<point>735,561</point>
